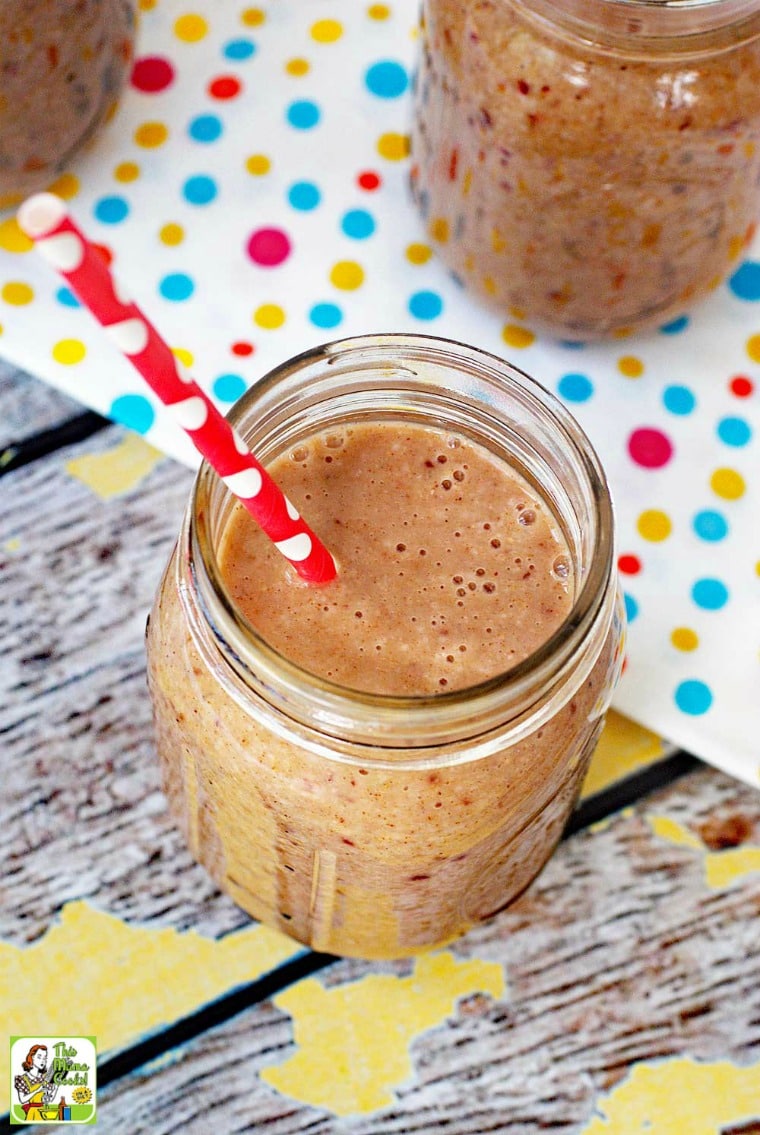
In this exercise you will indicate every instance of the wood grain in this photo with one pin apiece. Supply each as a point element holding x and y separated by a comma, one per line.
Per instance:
<point>27,405</point>
<point>619,953</point>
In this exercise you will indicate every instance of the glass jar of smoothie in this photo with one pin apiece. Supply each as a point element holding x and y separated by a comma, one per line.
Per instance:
<point>591,166</point>
<point>376,764</point>
<point>62,67</point>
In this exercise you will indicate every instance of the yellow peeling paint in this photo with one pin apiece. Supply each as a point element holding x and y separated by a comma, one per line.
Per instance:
<point>92,974</point>
<point>722,868</point>
<point>679,1097</point>
<point>624,747</point>
<point>118,470</point>
<point>353,1040</point>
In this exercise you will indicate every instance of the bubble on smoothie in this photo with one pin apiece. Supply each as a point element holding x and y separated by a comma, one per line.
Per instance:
<point>441,458</point>
<point>527,516</point>
<point>489,588</point>
<point>446,484</point>
<point>334,441</point>
<point>480,571</point>
<point>300,453</point>
<point>453,443</point>
<point>496,543</point>
<point>458,475</point>
<point>561,567</point>
<point>401,547</point>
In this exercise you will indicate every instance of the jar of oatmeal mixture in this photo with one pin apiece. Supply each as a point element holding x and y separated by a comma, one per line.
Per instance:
<point>62,67</point>
<point>591,166</point>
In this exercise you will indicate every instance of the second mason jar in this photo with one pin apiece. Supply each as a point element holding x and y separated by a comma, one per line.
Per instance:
<point>337,787</point>
<point>592,168</point>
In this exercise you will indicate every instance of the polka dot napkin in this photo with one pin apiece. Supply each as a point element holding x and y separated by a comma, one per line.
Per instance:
<point>252,191</point>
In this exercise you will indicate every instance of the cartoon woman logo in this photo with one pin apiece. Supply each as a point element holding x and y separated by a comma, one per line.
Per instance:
<point>34,1087</point>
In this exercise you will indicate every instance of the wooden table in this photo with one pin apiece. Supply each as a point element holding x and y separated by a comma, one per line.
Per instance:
<point>620,994</point>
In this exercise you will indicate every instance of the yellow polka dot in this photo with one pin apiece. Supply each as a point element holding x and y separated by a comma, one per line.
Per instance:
<point>326,31</point>
<point>269,316</point>
<point>735,246</point>
<point>378,11</point>
<point>66,186</point>
<point>418,253</point>
<point>684,638</point>
<point>757,568</point>
<point>439,229</point>
<point>1,329</point>
<point>654,525</point>
<point>253,17</point>
<point>69,351</point>
<point>171,233</point>
<point>127,171</point>
<point>258,164</point>
<point>297,67</point>
<point>728,484</point>
<point>753,348</point>
<point>185,357</point>
<point>147,5</point>
<point>630,366</point>
<point>393,147</point>
<point>12,239</point>
<point>347,275</point>
<point>149,135</point>
<point>190,28</point>
<point>515,336</point>
<point>17,294</point>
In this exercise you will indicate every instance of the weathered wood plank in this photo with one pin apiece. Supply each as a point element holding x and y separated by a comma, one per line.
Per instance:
<point>28,405</point>
<point>629,948</point>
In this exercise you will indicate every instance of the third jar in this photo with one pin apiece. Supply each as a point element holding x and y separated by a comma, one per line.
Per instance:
<point>594,167</point>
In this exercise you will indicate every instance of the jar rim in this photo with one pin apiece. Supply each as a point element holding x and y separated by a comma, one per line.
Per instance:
<point>356,355</point>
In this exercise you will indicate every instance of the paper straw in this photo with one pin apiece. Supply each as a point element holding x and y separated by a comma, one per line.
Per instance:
<point>45,219</point>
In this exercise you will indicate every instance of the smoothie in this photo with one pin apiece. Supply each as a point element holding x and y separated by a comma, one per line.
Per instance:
<point>62,67</point>
<point>591,183</point>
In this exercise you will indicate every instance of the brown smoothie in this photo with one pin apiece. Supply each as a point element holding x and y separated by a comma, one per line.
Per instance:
<point>589,191</point>
<point>452,569</point>
<point>62,67</point>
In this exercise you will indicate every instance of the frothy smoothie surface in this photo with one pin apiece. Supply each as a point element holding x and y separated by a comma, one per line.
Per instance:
<point>451,568</point>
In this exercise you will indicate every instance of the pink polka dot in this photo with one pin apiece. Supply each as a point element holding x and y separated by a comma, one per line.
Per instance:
<point>152,74</point>
<point>650,448</point>
<point>269,247</point>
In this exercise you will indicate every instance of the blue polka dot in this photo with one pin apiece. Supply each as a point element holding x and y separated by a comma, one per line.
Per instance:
<point>205,128</point>
<point>710,594</point>
<point>678,399</point>
<point>745,282</point>
<point>133,411</point>
<point>325,315</point>
<point>111,210</point>
<point>303,114</point>
<point>734,431</point>
<point>676,326</point>
<point>229,387</point>
<point>631,607</point>
<point>239,49</point>
<point>386,80</point>
<point>710,525</point>
<point>67,298</point>
<point>425,305</point>
<point>693,697</point>
<point>304,195</point>
<point>199,190</point>
<point>177,286</point>
<point>358,224</point>
<point>575,387</point>
<point>572,344</point>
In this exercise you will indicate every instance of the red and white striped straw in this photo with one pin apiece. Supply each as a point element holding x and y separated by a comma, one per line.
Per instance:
<point>45,219</point>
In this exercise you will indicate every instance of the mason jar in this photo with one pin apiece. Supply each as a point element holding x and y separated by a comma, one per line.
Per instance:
<point>62,68</point>
<point>378,825</point>
<point>589,166</point>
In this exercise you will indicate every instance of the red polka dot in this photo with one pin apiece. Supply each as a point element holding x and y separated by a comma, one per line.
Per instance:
<point>225,87</point>
<point>269,247</point>
<point>650,448</point>
<point>242,349</point>
<point>629,565</point>
<point>369,180</point>
<point>741,386</point>
<point>151,74</point>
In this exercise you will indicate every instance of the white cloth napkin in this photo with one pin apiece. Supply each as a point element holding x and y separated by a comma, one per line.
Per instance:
<point>252,190</point>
